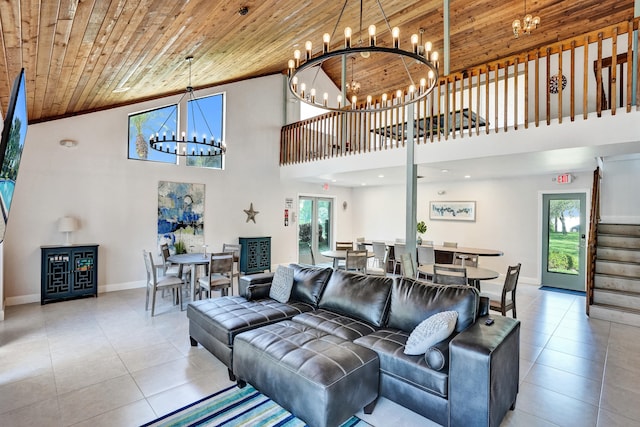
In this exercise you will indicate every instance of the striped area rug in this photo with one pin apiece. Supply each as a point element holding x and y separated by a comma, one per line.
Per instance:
<point>235,406</point>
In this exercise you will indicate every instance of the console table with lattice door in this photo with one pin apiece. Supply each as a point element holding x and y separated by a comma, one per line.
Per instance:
<point>68,272</point>
<point>255,256</point>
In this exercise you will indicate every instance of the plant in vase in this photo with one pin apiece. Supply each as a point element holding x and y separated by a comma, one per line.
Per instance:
<point>421,228</point>
<point>180,247</point>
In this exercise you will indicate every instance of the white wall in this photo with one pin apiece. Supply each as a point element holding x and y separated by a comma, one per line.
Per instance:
<point>116,199</point>
<point>619,200</point>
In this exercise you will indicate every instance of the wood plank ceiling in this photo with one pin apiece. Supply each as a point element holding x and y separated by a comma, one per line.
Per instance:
<point>77,54</point>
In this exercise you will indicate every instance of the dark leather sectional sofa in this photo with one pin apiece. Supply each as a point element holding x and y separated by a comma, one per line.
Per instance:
<point>345,313</point>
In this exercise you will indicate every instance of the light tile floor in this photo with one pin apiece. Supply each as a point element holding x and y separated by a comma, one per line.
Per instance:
<point>105,362</point>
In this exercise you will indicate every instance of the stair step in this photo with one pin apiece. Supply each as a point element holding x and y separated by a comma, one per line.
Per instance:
<point>615,314</point>
<point>620,229</point>
<point>609,281</point>
<point>623,299</point>
<point>625,269</point>
<point>617,241</point>
<point>618,254</point>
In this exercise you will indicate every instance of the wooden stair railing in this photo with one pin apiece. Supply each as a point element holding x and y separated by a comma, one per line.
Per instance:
<point>592,244</point>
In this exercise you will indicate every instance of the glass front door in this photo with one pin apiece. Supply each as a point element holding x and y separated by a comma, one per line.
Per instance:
<point>315,227</point>
<point>563,240</point>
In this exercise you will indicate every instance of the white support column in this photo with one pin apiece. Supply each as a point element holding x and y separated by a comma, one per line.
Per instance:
<point>412,181</point>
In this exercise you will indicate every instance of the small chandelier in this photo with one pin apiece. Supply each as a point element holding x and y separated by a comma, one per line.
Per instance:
<point>183,146</point>
<point>419,83</point>
<point>353,87</point>
<point>529,23</point>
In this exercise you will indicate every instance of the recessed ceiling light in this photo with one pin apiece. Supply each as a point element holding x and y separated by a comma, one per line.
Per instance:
<point>334,180</point>
<point>444,170</point>
<point>467,176</point>
<point>363,184</point>
<point>380,176</point>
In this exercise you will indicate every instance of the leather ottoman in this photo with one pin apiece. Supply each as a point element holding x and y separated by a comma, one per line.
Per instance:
<point>320,378</point>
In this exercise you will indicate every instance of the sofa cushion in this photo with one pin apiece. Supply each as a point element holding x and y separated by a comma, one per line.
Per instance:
<point>308,283</point>
<point>280,289</point>
<point>413,301</point>
<point>356,295</point>
<point>431,331</point>
<point>335,324</point>
<point>389,344</point>
<point>226,317</point>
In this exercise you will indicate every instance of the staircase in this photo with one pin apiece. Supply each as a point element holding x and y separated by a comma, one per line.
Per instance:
<point>616,293</point>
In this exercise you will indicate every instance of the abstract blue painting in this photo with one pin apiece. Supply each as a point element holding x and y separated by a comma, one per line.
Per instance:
<point>181,216</point>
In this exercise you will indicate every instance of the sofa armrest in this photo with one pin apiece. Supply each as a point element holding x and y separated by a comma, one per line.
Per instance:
<point>255,286</point>
<point>484,368</point>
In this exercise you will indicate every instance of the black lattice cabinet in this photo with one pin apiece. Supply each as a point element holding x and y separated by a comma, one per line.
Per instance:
<point>68,272</point>
<point>255,256</point>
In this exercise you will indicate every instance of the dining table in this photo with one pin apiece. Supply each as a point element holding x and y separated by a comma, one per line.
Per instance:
<point>474,274</point>
<point>192,260</point>
<point>337,256</point>
<point>444,254</point>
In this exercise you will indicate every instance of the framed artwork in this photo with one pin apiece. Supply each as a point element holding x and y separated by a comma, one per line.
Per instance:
<point>453,211</point>
<point>181,216</point>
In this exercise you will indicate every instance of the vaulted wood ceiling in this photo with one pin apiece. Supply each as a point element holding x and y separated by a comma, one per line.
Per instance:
<point>78,53</point>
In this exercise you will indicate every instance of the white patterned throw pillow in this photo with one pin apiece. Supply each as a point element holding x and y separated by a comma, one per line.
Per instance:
<point>282,284</point>
<point>431,331</point>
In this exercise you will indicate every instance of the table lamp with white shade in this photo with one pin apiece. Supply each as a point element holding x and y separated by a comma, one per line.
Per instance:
<point>67,224</point>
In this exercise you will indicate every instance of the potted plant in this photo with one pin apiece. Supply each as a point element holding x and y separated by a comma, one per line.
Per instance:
<point>421,228</point>
<point>180,247</point>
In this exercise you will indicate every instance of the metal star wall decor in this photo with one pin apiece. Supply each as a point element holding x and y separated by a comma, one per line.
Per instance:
<point>251,214</point>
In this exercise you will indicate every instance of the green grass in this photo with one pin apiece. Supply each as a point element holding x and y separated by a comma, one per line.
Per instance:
<point>563,252</point>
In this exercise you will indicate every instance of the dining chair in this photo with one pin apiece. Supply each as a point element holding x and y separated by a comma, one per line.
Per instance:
<point>506,300</point>
<point>450,244</point>
<point>378,266</point>
<point>356,260</point>
<point>154,284</point>
<point>398,250</point>
<point>343,246</point>
<point>169,268</point>
<point>426,256</point>
<point>446,275</point>
<point>219,274</point>
<point>465,260</point>
<point>427,243</point>
<point>235,249</point>
<point>408,269</point>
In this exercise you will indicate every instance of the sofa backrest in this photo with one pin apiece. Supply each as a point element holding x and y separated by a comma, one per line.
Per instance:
<point>308,283</point>
<point>413,301</point>
<point>357,295</point>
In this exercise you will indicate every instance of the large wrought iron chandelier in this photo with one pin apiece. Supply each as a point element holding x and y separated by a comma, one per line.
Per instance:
<point>420,64</point>
<point>183,145</point>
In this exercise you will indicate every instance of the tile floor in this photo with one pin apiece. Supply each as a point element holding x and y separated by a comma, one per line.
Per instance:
<point>105,362</point>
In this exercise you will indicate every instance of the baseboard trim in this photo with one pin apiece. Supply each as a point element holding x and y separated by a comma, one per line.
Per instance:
<point>29,299</point>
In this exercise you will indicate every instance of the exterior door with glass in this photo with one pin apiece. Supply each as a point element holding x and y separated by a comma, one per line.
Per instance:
<point>315,229</point>
<point>564,240</point>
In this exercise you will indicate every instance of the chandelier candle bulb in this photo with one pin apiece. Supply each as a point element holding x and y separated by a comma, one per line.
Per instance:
<point>308,47</point>
<point>339,98</point>
<point>313,95</point>
<point>326,38</point>
<point>372,35</point>
<point>414,43</point>
<point>325,99</point>
<point>395,33</point>
<point>427,49</point>
<point>303,87</point>
<point>369,99</point>
<point>347,37</point>
<point>434,59</point>
<point>354,99</point>
<point>296,56</point>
